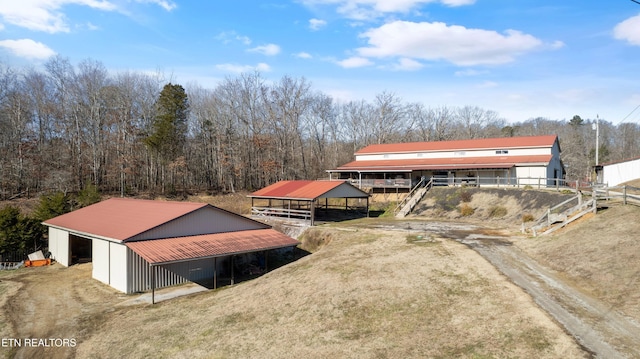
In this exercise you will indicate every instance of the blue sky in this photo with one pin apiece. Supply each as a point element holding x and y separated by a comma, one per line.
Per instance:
<point>522,59</point>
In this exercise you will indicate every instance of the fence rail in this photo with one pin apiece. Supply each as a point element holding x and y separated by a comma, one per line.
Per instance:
<point>586,201</point>
<point>477,181</point>
<point>281,212</point>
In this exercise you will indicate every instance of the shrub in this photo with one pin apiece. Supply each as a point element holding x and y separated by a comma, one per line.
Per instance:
<point>88,195</point>
<point>497,211</point>
<point>19,233</point>
<point>528,187</point>
<point>465,196</point>
<point>52,205</point>
<point>466,210</point>
<point>527,217</point>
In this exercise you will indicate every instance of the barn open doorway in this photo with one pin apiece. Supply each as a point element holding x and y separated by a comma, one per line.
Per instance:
<point>80,249</point>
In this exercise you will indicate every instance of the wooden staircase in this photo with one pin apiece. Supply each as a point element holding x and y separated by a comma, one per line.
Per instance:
<point>414,197</point>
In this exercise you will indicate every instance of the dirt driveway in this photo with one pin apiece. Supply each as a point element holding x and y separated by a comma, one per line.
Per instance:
<point>594,324</point>
<point>52,311</point>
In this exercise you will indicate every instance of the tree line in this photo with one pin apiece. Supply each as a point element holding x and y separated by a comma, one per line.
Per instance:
<point>66,127</point>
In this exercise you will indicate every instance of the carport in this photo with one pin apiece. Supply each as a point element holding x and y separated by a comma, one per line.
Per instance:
<point>306,199</point>
<point>140,245</point>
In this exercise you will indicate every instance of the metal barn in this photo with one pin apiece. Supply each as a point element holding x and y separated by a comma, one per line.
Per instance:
<point>139,245</point>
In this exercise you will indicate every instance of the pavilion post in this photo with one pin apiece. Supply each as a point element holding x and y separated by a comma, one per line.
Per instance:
<point>215,272</point>
<point>232,270</point>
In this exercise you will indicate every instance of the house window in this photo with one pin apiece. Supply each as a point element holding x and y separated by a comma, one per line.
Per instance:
<point>459,153</point>
<point>420,154</point>
<point>385,156</point>
<point>502,152</point>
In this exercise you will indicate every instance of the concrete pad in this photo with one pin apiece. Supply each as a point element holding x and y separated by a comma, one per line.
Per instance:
<point>165,294</point>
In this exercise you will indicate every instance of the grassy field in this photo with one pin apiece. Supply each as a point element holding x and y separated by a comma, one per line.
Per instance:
<point>362,293</point>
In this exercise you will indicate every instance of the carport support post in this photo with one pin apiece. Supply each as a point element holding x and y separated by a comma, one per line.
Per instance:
<point>232,269</point>
<point>215,272</point>
<point>153,284</point>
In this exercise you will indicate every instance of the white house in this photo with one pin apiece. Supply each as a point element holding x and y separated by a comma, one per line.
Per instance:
<point>508,160</point>
<point>138,245</point>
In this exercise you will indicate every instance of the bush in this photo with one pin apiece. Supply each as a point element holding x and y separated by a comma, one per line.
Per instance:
<point>527,217</point>
<point>466,210</point>
<point>497,212</point>
<point>52,205</point>
<point>19,233</point>
<point>88,196</point>
<point>528,187</point>
<point>465,196</point>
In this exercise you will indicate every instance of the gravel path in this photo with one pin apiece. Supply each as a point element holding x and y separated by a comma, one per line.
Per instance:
<point>595,325</point>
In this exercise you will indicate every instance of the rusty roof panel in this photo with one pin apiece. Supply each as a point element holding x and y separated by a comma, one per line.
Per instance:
<point>305,190</point>
<point>122,218</point>
<point>475,144</point>
<point>178,249</point>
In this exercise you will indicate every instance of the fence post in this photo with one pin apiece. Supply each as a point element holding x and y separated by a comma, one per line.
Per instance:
<point>498,180</point>
<point>538,182</point>
<point>624,195</point>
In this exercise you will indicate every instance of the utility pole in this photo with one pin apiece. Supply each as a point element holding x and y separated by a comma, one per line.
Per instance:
<point>597,137</point>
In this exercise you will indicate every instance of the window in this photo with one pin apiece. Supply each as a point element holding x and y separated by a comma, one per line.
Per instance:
<point>459,153</point>
<point>502,152</point>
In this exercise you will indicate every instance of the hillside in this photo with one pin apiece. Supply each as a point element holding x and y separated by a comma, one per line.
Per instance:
<point>371,288</point>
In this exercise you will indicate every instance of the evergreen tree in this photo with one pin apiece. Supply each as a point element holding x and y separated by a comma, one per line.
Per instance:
<point>169,130</point>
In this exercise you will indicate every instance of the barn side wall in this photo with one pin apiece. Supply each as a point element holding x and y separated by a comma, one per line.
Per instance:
<point>100,260</point>
<point>59,246</point>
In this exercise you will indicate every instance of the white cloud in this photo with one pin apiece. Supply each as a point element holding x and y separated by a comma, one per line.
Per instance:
<point>48,15</point>
<point>28,48</point>
<point>470,72</point>
<point>235,68</point>
<point>438,41</point>
<point>316,24</point>
<point>167,5</point>
<point>229,36</point>
<point>370,9</point>
<point>405,64</point>
<point>269,49</point>
<point>353,62</point>
<point>628,30</point>
<point>303,55</point>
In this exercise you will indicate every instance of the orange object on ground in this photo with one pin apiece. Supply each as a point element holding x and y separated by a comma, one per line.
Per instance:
<point>37,262</point>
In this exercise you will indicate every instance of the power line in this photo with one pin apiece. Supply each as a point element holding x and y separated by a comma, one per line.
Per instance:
<point>634,110</point>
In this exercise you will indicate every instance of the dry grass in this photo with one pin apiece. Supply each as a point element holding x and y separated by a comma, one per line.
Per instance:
<point>364,294</point>
<point>599,254</point>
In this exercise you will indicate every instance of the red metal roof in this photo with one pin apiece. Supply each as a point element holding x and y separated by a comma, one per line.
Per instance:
<point>304,190</point>
<point>177,249</point>
<point>483,143</point>
<point>443,163</point>
<point>122,218</point>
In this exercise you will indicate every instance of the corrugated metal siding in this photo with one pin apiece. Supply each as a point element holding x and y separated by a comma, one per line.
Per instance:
<point>205,220</point>
<point>167,275</point>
